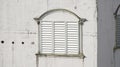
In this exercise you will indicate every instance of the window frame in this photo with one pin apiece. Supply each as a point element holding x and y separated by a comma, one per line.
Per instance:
<point>80,27</point>
<point>116,16</point>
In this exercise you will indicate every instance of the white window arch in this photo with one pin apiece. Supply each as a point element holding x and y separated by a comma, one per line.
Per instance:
<point>60,38</point>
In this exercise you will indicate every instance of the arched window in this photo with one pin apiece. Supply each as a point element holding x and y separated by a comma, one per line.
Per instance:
<point>60,33</point>
<point>117,18</point>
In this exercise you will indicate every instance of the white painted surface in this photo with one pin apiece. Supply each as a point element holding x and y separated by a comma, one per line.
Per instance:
<point>17,24</point>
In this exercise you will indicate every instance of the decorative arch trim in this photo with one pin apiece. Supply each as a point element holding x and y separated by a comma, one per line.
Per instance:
<point>116,12</point>
<point>57,10</point>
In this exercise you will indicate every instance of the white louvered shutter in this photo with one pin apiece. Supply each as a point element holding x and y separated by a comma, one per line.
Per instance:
<point>118,30</point>
<point>59,37</point>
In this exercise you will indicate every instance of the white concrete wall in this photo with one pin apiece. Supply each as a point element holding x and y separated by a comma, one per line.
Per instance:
<point>17,24</point>
<point>106,34</point>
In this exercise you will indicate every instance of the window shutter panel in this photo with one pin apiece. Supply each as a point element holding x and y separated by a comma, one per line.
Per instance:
<point>46,37</point>
<point>73,38</point>
<point>59,37</point>
<point>118,30</point>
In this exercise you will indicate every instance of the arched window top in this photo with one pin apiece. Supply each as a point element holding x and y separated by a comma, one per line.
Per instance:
<point>58,10</point>
<point>117,11</point>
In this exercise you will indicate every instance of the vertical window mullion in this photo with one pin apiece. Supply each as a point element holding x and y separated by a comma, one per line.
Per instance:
<point>81,37</point>
<point>40,37</point>
<point>53,37</point>
<point>66,38</point>
<point>79,31</point>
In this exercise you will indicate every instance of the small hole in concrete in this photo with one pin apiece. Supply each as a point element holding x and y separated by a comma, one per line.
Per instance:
<point>13,42</point>
<point>22,42</point>
<point>2,41</point>
<point>32,43</point>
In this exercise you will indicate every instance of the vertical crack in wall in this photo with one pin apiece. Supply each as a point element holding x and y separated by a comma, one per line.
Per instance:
<point>47,4</point>
<point>2,60</point>
<point>12,55</point>
<point>37,60</point>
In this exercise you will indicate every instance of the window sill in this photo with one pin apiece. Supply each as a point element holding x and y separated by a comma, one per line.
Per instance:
<point>116,47</point>
<point>81,56</point>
